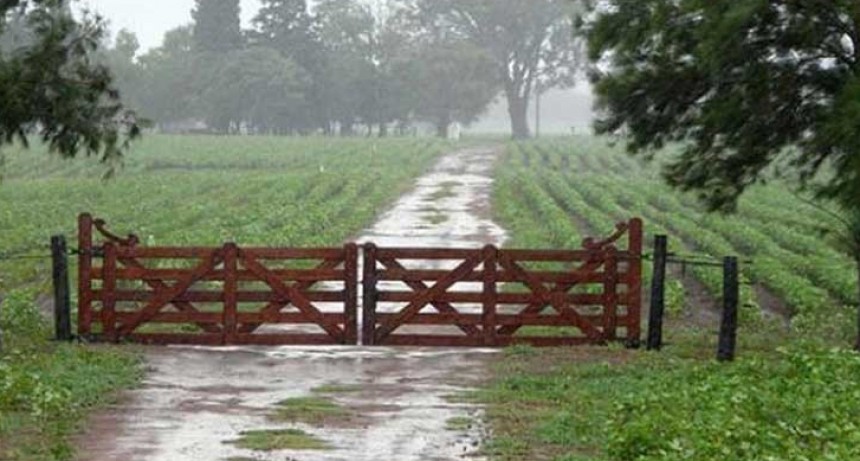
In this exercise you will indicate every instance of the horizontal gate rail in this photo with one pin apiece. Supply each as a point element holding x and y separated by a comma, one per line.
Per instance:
<point>214,295</point>
<point>411,296</point>
<point>492,296</point>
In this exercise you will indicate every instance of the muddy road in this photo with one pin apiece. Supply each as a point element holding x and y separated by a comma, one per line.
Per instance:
<point>195,401</point>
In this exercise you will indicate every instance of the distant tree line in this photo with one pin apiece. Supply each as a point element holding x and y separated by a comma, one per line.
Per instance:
<point>344,66</point>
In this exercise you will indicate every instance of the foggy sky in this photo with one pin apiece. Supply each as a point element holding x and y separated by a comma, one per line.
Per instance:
<point>150,19</point>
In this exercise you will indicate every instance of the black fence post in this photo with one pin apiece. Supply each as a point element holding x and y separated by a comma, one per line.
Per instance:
<point>658,294</point>
<point>729,324</point>
<point>62,300</point>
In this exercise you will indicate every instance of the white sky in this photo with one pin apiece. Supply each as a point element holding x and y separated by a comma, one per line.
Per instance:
<point>150,19</point>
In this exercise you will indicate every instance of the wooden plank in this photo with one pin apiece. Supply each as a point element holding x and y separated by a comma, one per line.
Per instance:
<point>555,298</point>
<point>537,306</point>
<point>351,294</point>
<point>212,296</point>
<point>108,297</point>
<point>202,339</point>
<point>284,339</point>
<point>427,253</point>
<point>258,253</point>
<point>414,275</point>
<point>166,252</point>
<point>419,287</point>
<point>369,295</point>
<point>432,340</point>
<point>296,297</point>
<point>501,319</point>
<point>218,317</point>
<point>231,287</point>
<point>159,285</point>
<point>85,262</point>
<point>473,297</point>
<point>610,297</point>
<point>423,298</point>
<point>298,275</point>
<point>163,297</point>
<point>276,303</point>
<point>488,316</point>
<point>634,248</point>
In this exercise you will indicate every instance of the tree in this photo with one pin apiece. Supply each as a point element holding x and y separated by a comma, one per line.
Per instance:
<point>742,86</point>
<point>168,78</point>
<point>457,83</point>
<point>217,26</point>
<point>53,84</point>
<point>531,42</point>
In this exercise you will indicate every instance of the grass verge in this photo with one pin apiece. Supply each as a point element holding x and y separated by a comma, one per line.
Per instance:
<point>311,410</point>
<point>46,388</point>
<point>798,401</point>
<point>279,439</point>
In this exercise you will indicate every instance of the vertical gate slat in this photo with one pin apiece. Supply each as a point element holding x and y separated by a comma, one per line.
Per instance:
<point>85,264</point>
<point>231,288</point>
<point>634,264</point>
<point>351,294</point>
<point>489,295</point>
<point>368,320</point>
<point>108,314</point>
<point>610,294</point>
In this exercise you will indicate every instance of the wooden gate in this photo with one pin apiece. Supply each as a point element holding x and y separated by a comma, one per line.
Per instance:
<point>497,297</point>
<point>220,295</point>
<point>411,296</point>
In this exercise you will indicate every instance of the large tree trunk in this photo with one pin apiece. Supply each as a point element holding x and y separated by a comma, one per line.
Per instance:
<point>383,130</point>
<point>518,110</point>
<point>346,128</point>
<point>443,124</point>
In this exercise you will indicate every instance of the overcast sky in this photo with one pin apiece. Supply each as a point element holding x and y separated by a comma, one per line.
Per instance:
<point>150,19</point>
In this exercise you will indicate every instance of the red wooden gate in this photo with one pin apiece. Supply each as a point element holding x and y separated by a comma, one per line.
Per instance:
<point>497,297</point>
<point>444,297</point>
<point>221,295</point>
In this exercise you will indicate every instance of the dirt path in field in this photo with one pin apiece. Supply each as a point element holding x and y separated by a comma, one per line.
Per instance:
<point>195,400</point>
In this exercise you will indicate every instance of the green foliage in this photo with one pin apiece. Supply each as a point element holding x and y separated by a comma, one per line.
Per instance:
<point>45,389</point>
<point>281,439</point>
<point>799,405</point>
<point>52,86</point>
<point>579,186</point>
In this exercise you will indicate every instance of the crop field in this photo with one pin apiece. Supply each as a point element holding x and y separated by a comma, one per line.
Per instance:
<point>554,192</point>
<point>205,191</point>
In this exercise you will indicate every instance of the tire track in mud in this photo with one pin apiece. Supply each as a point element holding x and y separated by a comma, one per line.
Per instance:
<point>194,400</point>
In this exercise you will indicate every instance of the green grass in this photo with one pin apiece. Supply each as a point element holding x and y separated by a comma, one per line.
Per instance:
<point>788,396</point>
<point>336,388</point>
<point>279,439</point>
<point>310,410</point>
<point>458,423</point>
<point>47,389</point>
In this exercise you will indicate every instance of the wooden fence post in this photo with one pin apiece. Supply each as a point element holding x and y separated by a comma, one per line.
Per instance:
<point>350,286</point>
<point>488,318</point>
<point>634,268</point>
<point>729,324</point>
<point>62,297</point>
<point>231,293</point>
<point>85,264</point>
<point>368,320</point>
<point>658,294</point>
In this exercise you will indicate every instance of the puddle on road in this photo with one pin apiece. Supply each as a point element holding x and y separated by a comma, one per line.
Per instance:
<point>196,399</point>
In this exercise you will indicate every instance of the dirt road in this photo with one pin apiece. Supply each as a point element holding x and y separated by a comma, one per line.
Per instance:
<point>194,401</point>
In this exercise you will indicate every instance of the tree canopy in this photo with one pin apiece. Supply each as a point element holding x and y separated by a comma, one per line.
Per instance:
<point>54,84</point>
<point>750,90</point>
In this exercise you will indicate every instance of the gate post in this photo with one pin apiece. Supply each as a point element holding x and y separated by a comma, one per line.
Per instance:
<point>109,293</point>
<point>658,294</point>
<point>634,268</point>
<point>62,299</point>
<point>85,265</point>
<point>368,320</point>
<point>350,286</point>
<point>231,289</point>
<point>490,299</point>
<point>610,294</point>
<point>729,324</point>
